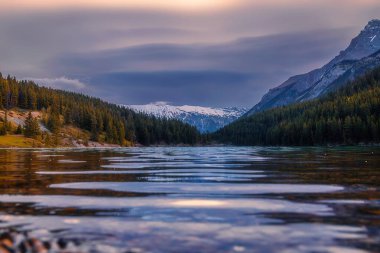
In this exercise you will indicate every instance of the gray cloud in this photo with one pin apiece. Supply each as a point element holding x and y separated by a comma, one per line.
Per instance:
<point>90,45</point>
<point>183,69</point>
<point>178,87</point>
<point>260,53</point>
<point>62,83</point>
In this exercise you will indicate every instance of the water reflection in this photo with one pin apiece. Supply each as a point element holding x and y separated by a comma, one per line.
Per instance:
<point>222,199</point>
<point>204,188</point>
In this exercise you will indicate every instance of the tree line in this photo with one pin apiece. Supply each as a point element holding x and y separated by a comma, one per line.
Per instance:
<point>104,121</point>
<point>349,115</point>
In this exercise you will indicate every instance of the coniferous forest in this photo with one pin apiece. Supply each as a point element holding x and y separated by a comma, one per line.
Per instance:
<point>350,115</point>
<point>115,124</point>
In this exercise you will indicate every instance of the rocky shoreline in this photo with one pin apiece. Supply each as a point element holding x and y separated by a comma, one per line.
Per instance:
<point>12,241</point>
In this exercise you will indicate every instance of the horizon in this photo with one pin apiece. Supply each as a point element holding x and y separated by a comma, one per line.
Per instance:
<point>206,53</point>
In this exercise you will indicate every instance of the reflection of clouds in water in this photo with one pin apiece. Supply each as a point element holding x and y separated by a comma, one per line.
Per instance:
<point>204,188</point>
<point>6,217</point>
<point>345,201</point>
<point>159,172</point>
<point>71,221</point>
<point>217,154</point>
<point>198,203</point>
<point>70,161</point>
<point>145,204</point>
<point>49,155</point>
<point>205,159</point>
<point>143,165</point>
<point>193,234</point>
<point>268,214</point>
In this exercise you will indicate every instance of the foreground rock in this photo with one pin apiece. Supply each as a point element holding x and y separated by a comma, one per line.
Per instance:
<point>22,242</point>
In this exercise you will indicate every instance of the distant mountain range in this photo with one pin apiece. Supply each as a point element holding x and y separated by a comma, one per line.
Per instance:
<point>205,119</point>
<point>349,115</point>
<point>362,55</point>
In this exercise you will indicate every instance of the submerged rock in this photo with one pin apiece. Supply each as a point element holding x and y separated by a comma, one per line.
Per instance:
<point>22,242</point>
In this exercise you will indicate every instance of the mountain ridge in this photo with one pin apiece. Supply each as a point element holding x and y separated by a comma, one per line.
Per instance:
<point>361,55</point>
<point>205,119</point>
<point>348,116</point>
<point>101,121</point>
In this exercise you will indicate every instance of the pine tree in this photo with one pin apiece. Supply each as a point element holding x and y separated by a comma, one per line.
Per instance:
<point>31,127</point>
<point>3,130</point>
<point>94,129</point>
<point>54,123</point>
<point>18,130</point>
<point>117,124</point>
<point>349,115</point>
<point>5,126</point>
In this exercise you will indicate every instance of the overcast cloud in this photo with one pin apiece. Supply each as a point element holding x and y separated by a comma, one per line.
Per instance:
<point>182,54</point>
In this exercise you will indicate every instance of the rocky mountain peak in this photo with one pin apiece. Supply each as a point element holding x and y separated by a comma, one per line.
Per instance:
<point>374,24</point>
<point>359,57</point>
<point>365,44</point>
<point>205,119</point>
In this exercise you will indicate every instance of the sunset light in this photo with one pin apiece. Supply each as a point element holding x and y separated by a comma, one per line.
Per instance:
<point>180,5</point>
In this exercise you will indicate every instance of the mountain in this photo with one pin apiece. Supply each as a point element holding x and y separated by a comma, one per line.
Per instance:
<point>205,119</point>
<point>69,115</point>
<point>349,115</point>
<point>361,56</point>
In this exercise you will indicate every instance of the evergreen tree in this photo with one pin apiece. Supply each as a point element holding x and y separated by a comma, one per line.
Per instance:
<point>54,123</point>
<point>5,126</point>
<point>18,130</point>
<point>117,124</point>
<point>31,127</point>
<point>350,115</point>
<point>3,129</point>
<point>94,129</point>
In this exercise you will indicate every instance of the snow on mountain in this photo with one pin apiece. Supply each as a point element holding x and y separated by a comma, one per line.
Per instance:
<point>360,56</point>
<point>205,119</point>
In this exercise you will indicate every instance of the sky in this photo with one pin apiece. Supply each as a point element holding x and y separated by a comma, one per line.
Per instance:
<point>218,53</point>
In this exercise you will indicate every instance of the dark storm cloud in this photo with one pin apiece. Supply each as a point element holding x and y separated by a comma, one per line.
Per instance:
<point>178,87</point>
<point>179,70</point>
<point>28,40</point>
<point>85,44</point>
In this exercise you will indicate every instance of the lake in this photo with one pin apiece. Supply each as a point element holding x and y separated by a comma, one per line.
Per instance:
<point>195,199</point>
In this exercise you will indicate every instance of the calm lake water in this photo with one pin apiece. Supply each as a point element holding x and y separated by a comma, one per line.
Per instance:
<point>209,199</point>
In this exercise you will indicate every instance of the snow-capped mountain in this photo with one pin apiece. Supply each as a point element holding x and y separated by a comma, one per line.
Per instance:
<point>205,119</point>
<point>362,55</point>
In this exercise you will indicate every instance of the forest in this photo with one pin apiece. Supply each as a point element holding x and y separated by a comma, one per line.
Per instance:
<point>104,121</point>
<point>350,115</point>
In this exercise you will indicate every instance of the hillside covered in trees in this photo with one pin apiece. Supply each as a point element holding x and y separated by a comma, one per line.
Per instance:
<point>350,115</point>
<point>103,121</point>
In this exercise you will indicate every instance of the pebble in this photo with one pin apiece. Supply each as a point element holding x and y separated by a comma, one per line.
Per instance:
<point>41,241</point>
<point>21,242</point>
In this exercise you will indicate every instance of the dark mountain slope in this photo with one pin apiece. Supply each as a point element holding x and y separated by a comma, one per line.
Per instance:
<point>361,56</point>
<point>349,115</point>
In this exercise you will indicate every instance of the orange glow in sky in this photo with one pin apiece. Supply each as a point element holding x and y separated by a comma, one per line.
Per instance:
<point>171,5</point>
<point>166,4</point>
<point>151,4</point>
